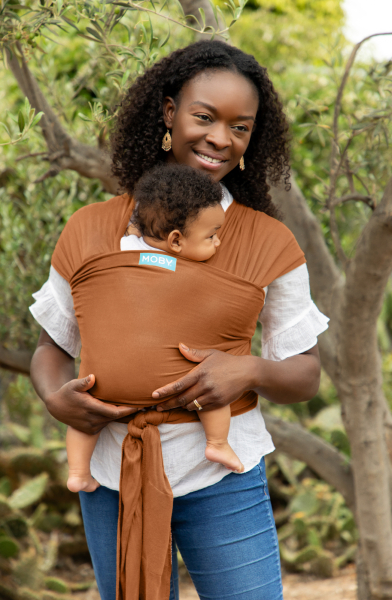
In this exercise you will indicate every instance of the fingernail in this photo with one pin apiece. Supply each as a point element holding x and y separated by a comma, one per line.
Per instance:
<point>88,379</point>
<point>184,347</point>
<point>155,394</point>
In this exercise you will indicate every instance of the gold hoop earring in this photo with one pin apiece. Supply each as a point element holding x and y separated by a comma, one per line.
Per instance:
<point>242,164</point>
<point>166,142</point>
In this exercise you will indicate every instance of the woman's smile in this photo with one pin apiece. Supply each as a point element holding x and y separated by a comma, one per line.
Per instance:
<point>209,161</point>
<point>209,131</point>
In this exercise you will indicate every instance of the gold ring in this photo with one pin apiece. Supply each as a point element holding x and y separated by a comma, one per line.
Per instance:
<point>199,406</point>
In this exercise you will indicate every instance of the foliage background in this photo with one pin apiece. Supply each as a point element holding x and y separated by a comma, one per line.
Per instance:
<point>301,44</point>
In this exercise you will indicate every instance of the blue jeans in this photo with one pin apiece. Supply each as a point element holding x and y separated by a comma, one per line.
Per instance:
<point>225,533</point>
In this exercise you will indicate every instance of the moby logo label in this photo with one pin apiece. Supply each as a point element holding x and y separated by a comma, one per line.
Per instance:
<point>158,260</point>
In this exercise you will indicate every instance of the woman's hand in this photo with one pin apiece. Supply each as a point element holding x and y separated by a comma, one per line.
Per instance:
<point>219,379</point>
<point>67,399</point>
<point>73,405</point>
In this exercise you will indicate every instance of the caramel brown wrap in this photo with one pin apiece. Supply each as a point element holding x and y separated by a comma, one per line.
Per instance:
<point>131,318</point>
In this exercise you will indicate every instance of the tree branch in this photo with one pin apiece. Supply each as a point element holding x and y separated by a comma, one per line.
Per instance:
<point>369,271</point>
<point>63,151</point>
<point>191,7</point>
<point>325,277</point>
<point>16,360</point>
<point>322,458</point>
<point>350,62</point>
<point>326,281</point>
<point>357,197</point>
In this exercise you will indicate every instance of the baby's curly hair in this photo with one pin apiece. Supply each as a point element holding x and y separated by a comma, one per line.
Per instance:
<point>137,137</point>
<point>170,197</point>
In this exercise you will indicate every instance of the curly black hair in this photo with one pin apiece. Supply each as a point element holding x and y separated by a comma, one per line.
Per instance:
<point>170,197</point>
<point>137,137</point>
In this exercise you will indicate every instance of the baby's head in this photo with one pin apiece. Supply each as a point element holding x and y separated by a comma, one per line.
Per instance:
<point>179,211</point>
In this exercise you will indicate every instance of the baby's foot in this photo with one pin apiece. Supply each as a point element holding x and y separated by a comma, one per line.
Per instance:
<point>81,482</point>
<point>223,453</point>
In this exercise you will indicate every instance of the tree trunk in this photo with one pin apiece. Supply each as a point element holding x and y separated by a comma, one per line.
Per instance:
<point>360,390</point>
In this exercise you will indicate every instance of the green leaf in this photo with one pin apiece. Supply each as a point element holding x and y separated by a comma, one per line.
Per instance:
<point>9,548</point>
<point>203,17</point>
<point>5,508</point>
<point>5,486</point>
<point>305,502</point>
<point>83,117</point>
<point>37,118</point>
<point>56,585</point>
<point>21,432</point>
<point>363,125</point>
<point>97,26</point>
<point>21,121</point>
<point>30,492</point>
<point>125,77</point>
<point>213,7</point>
<point>94,33</point>
<point>70,23</point>
<point>166,39</point>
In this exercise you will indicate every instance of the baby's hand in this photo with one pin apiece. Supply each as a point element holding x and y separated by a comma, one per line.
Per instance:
<point>133,230</point>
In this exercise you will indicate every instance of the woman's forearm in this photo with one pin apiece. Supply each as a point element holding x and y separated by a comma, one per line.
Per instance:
<point>68,399</point>
<point>295,379</point>
<point>51,367</point>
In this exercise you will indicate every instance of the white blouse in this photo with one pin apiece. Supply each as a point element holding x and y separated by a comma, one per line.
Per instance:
<point>290,325</point>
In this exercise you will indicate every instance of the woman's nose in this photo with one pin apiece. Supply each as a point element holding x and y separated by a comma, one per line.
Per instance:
<point>219,136</point>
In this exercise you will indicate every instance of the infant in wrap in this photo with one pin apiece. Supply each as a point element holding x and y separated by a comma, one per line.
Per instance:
<point>178,210</point>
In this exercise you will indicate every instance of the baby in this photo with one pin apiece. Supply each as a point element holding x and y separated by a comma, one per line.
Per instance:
<point>178,210</point>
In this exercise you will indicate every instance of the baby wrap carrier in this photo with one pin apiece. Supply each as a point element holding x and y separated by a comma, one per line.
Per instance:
<point>133,309</point>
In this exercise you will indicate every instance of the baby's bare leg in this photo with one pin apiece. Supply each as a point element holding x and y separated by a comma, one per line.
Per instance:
<point>216,425</point>
<point>80,448</point>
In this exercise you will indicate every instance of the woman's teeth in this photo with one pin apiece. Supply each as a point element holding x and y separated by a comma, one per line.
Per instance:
<point>209,159</point>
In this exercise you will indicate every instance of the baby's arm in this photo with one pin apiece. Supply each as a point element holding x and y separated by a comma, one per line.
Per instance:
<point>216,425</point>
<point>80,447</point>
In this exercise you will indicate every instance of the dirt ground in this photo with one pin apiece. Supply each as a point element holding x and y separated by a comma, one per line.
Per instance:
<point>295,587</point>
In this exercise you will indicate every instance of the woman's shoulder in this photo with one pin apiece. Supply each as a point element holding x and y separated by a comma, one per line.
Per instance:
<point>266,228</point>
<point>271,247</point>
<point>91,230</point>
<point>107,212</point>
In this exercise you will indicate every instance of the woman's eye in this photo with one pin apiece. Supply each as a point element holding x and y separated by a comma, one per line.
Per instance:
<point>240,128</point>
<point>203,117</point>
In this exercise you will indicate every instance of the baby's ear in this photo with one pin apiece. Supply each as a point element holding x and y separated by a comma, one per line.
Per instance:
<point>175,241</point>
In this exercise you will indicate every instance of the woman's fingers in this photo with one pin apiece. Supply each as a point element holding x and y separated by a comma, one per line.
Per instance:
<point>82,385</point>
<point>191,378</point>
<point>110,412</point>
<point>182,400</point>
<point>177,386</point>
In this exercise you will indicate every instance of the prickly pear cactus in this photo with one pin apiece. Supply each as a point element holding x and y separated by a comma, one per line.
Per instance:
<point>316,530</point>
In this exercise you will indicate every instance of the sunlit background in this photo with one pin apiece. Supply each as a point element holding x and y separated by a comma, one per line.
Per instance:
<point>365,18</point>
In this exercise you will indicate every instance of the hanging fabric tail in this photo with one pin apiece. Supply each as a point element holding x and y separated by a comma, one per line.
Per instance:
<point>144,524</point>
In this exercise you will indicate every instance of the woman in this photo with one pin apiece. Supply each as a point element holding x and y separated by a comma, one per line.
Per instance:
<point>213,108</point>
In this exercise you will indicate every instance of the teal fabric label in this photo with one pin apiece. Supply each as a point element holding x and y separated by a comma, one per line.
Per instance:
<point>158,260</point>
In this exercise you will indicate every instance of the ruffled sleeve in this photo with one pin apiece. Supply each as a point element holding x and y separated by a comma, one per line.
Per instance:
<point>53,310</point>
<point>290,320</point>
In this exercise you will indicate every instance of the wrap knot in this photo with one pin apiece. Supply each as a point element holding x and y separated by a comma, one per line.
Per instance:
<point>142,419</point>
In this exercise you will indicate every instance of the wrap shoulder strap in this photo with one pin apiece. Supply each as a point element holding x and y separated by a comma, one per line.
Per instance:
<point>256,247</point>
<point>92,230</point>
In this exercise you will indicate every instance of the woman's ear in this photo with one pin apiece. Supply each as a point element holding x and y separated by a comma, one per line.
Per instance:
<point>169,109</point>
<point>175,241</point>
